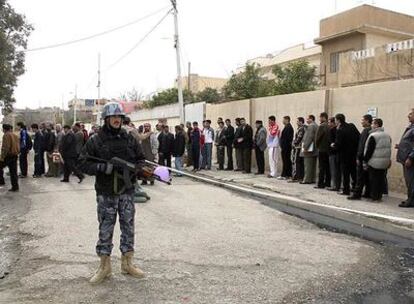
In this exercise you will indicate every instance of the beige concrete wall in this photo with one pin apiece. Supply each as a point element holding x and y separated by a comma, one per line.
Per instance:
<point>394,99</point>
<point>293,105</point>
<point>231,110</point>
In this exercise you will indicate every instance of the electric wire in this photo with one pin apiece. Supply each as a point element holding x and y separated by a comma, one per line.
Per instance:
<point>138,43</point>
<point>98,34</point>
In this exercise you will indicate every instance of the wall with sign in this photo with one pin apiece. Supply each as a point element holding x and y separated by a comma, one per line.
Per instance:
<point>391,101</point>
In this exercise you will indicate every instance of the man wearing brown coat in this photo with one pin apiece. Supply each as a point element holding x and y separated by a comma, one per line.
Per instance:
<point>10,150</point>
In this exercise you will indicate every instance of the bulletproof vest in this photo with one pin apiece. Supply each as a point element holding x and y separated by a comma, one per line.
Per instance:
<point>116,145</point>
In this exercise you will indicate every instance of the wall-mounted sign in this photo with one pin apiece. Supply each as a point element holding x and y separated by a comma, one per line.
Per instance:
<point>373,112</point>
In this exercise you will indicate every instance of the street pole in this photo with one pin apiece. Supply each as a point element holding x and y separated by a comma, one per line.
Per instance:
<point>99,88</point>
<point>75,103</point>
<point>177,49</point>
<point>63,110</point>
<point>189,77</point>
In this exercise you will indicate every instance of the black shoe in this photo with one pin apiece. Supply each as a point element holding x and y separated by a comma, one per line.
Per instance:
<point>81,178</point>
<point>305,183</point>
<point>144,183</point>
<point>354,197</point>
<point>406,205</point>
<point>345,193</point>
<point>319,187</point>
<point>14,189</point>
<point>332,189</point>
<point>22,176</point>
<point>64,181</point>
<point>152,183</point>
<point>228,169</point>
<point>259,173</point>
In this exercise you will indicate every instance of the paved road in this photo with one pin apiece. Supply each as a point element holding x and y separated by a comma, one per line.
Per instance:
<point>197,243</point>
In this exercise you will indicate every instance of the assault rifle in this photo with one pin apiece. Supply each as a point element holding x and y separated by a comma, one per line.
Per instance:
<point>141,169</point>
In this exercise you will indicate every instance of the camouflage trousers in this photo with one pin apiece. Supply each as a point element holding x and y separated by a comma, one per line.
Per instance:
<point>108,208</point>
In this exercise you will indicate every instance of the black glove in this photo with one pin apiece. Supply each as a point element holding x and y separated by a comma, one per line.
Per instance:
<point>105,168</point>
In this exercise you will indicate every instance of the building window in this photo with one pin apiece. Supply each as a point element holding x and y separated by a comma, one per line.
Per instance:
<point>334,64</point>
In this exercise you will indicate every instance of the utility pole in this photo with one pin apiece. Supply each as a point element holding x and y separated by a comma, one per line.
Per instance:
<point>99,88</point>
<point>63,110</point>
<point>177,49</point>
<point>75,103</point>
<point>189,77</point>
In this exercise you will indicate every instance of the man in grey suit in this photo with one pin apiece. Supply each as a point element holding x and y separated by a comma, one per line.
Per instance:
<point>260,146</point>
<point>309,151</point>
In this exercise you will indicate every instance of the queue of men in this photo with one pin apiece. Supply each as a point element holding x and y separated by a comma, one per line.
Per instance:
<point>351,163</point>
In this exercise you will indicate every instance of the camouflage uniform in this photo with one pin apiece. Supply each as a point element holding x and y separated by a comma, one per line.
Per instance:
<point>114,196</point>
<point>108,207</point>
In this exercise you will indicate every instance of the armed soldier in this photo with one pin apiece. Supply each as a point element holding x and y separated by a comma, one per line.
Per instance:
<point>115,193</point>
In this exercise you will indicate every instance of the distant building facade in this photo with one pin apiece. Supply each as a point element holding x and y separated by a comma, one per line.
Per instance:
<point>357,34</point>
<point>361,45</point>
<point>196,83</point>
<point>311,54</point>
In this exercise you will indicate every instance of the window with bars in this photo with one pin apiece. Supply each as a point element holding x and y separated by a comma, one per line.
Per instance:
<point>334,62</point>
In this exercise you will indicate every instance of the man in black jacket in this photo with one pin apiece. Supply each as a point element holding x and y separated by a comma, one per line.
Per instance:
<point>179,148</point>
<point>166,147</point>
<point>229,135</point>
<point>69,155</point>
<point>38,147</point>
<point>286,139</point>
<point>114,194</point>
<point>362,175</point>
<point>346,143</point>
<point>322,144</point>
<point>50,142</point>
<point>237,146</point>
<point>333,157</point>
<point>245,142</point>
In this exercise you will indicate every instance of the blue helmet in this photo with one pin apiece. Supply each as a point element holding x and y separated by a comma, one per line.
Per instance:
<point>112,109</point>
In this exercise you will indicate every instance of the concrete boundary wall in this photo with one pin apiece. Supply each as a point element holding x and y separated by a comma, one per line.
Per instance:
<point>391,101</point>
<point>195,112</point>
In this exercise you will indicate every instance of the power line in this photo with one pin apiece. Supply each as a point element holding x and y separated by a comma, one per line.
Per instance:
<point>139,42</point>
<point>96,35</point>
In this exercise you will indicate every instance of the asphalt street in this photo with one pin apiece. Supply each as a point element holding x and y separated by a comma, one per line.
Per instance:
<point>196,243</point>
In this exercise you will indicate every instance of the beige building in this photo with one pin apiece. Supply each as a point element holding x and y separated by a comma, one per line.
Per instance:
<point>312,54</point>
<point>362,28</point>
<point>199,83</point>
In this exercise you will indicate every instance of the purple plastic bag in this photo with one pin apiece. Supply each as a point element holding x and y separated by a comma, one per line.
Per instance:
<point>163,173</point>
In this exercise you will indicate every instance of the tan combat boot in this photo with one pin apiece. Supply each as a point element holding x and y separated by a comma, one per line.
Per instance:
<point>103,271</point>
<point>127,267</point>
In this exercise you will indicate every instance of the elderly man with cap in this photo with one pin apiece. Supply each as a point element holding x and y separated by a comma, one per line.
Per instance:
<point>149,143</point>
<point>115,195</point>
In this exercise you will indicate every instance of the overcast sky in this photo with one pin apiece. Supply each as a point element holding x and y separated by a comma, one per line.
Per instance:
<point>216,36</point>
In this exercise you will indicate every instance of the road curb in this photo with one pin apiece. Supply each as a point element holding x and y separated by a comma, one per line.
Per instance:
<point>372,226</point>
